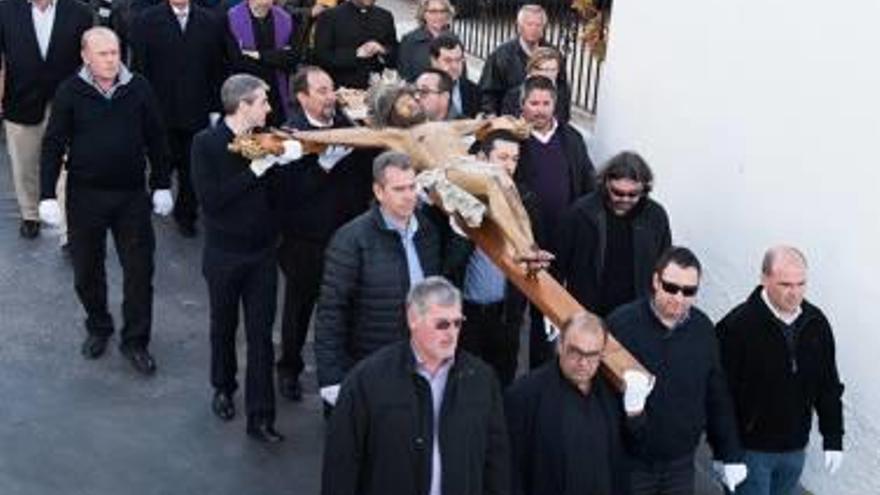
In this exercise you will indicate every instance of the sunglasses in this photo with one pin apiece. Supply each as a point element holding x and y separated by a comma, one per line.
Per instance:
<point>673,289</point>
<point>444,324</point>
<point>624,194</point>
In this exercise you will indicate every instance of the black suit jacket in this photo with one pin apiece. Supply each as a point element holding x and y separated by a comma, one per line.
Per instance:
<point>470,97</point>
<point>185,68</point>
<point>31,81</point>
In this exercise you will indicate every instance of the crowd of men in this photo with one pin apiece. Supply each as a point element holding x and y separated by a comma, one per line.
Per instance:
<point>416,331</point>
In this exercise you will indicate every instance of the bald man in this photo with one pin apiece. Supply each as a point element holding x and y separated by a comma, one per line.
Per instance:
<point>106,120</point>
<point>778,353</point>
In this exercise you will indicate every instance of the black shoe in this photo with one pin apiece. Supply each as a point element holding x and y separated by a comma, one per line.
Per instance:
<point>290,388</point>
<point>29,229</point>
<point>264,432</point>
<point>186,229</point>
<point>223,406</point>
<point>140,360</point>
<point>94,346</point>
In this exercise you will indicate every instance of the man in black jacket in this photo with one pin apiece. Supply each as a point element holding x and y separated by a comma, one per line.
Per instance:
<point>371,262</point>
<point>447,54</point>
<point>39,46</point>
<point>566,426</point>
<point>239,261</point>
<point>333,188</point>
<point>417,417</point>
<point>505,67</point>
<point>778,353</point>
<point>180,48</point>
<point>609,240</point>
<point>355,39</point>
<point>554,164</point>
<point>676,342</point>
<point>103,120</point>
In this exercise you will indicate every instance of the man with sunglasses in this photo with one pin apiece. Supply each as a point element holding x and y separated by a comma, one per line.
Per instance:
<point>417,416</point>
<point>778,353</point>
<point>676,342</point>
<point>610,239</point>
<point>433,89</point>
<point>565,424</point>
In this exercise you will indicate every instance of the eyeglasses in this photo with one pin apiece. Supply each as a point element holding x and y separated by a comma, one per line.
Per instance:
<point>444,324</point>
<point>575,354</point>
<point>673,289</point>
<point>625,194</point>
<point>428,91</point>
<point>437,11</point>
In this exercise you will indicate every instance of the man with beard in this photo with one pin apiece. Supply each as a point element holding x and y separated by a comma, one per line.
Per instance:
<point>610,239</point>
<point>329,190</point>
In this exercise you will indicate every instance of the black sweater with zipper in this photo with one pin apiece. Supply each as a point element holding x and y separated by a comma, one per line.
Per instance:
<point>107,140</point>
<point>776,386</point>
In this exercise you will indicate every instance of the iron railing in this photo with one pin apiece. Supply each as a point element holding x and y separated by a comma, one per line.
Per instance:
<point>482,25</point>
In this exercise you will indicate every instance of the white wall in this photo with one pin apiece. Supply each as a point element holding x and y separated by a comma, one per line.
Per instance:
<point>762,122</point>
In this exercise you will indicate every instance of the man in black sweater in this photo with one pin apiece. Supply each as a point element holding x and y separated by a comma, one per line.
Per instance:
<point>239,262</point>
<point>39,43</point>
<point>103,119</point>
<point>676,342</point>
<point>354,40</point>
<point>778,354</point>
<point>609,240</point>
<point>554,164</point>
<point>331,189</point>
<point>180,48</point>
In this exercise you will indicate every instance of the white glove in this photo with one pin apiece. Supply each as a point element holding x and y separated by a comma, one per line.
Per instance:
<point>733,475</point>
<point>293,150</point>
<point>550,330</point>
<point>260,165</point>
<point>638,386</point>
<point>833,460</point>
<point>329,394</point>
<point>50,212</point>
<point>332,155</point>
<point>162,202</point>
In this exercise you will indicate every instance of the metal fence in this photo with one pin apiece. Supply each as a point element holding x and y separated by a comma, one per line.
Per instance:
<point>482,25</point>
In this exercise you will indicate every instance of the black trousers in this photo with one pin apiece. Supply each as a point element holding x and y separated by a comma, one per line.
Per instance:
<point>126,214</point>
<point>185,206</point>
<point>302,263</point>
<point>485,335</point>
<point>249,281</point>
<point>540,350</point>
<point>674,477</point>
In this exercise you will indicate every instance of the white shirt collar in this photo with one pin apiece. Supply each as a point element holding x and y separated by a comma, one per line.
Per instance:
<point>545,137</point>
<point>315,123</point>
<point>788,319</point>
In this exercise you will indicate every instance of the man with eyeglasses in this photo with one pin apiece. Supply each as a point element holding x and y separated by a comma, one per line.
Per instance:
<point>676,342</point>
<point>778,353</point>
<point>566,427</point>
<point>610,239</point>
<point>417,416</point>
<point>433,88</point>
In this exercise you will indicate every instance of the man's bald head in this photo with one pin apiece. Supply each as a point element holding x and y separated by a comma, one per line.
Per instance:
<point>98,33</point>
<point>782,254</point>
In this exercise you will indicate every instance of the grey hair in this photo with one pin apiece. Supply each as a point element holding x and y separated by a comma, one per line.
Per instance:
<point>584,322</point>
<point>530,8</point>
<point>434,290</point>
<point>775,253</point>
<point>387,159</point>
<point>238,88</point>
<point>96,32</point>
